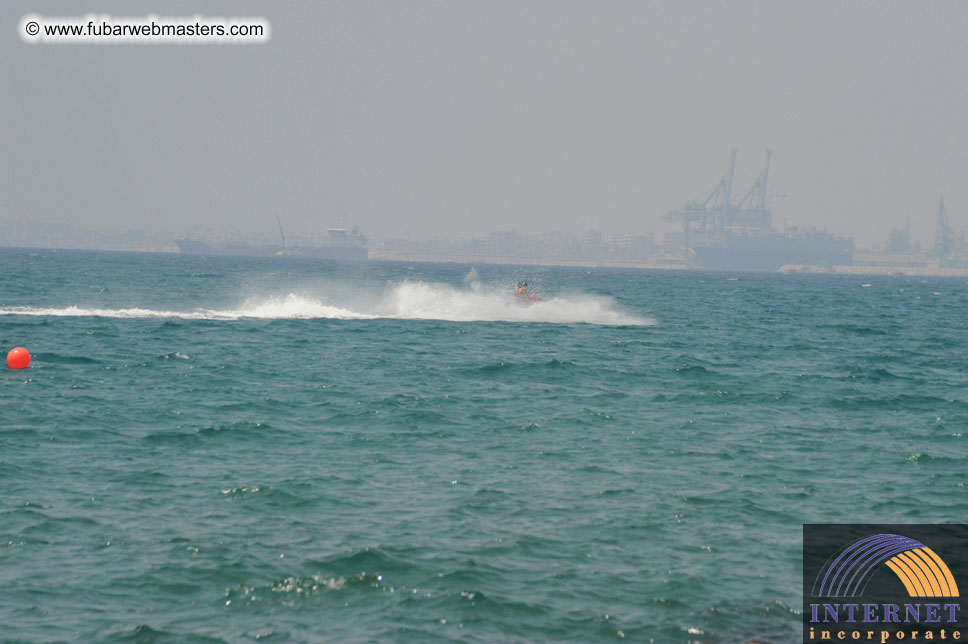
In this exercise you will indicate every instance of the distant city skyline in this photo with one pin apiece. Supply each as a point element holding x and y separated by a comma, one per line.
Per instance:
<point>41,234</point>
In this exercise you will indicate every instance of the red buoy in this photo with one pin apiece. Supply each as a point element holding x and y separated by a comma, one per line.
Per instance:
<point>18,358</point>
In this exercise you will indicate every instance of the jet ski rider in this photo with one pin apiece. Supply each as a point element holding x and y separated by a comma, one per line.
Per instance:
<point>523,294</point>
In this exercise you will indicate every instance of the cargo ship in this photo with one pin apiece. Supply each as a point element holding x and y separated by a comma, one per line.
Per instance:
<point>343,245</point>
<point>771,251</point>
<point>723,231</point>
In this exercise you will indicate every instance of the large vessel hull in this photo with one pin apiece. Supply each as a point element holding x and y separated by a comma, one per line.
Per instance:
<point>193,247</point>
<point>771,252</point>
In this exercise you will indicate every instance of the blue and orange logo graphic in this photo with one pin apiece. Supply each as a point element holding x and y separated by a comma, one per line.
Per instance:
<point>919,568</point>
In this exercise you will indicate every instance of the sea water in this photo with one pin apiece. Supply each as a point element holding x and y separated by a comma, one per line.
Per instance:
<point>279,450</point>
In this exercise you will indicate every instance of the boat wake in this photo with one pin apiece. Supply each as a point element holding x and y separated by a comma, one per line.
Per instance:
<point>403,301</point>
<point>421,300</point>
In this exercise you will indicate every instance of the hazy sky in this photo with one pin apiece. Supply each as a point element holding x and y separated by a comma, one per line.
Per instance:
<point>459,117</point>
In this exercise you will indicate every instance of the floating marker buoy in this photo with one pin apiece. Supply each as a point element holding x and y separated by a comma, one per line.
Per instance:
<point>18,358</point>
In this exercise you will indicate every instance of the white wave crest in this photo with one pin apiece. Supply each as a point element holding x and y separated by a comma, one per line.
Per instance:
<point>423,301</point>
<point>294,307</point>
<point>290,307</point>
<point>405,301</point>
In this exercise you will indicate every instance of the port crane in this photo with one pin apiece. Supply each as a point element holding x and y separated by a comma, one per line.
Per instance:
<point>944,240</point>
<point>717,210</point>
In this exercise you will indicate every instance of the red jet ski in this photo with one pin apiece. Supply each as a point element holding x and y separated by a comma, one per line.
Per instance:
<point>523,295</point>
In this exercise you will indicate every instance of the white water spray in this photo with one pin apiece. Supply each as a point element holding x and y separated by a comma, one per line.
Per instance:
<point>405,301</point>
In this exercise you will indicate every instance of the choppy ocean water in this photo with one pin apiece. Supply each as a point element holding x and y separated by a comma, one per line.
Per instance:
<point>231,450</point>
